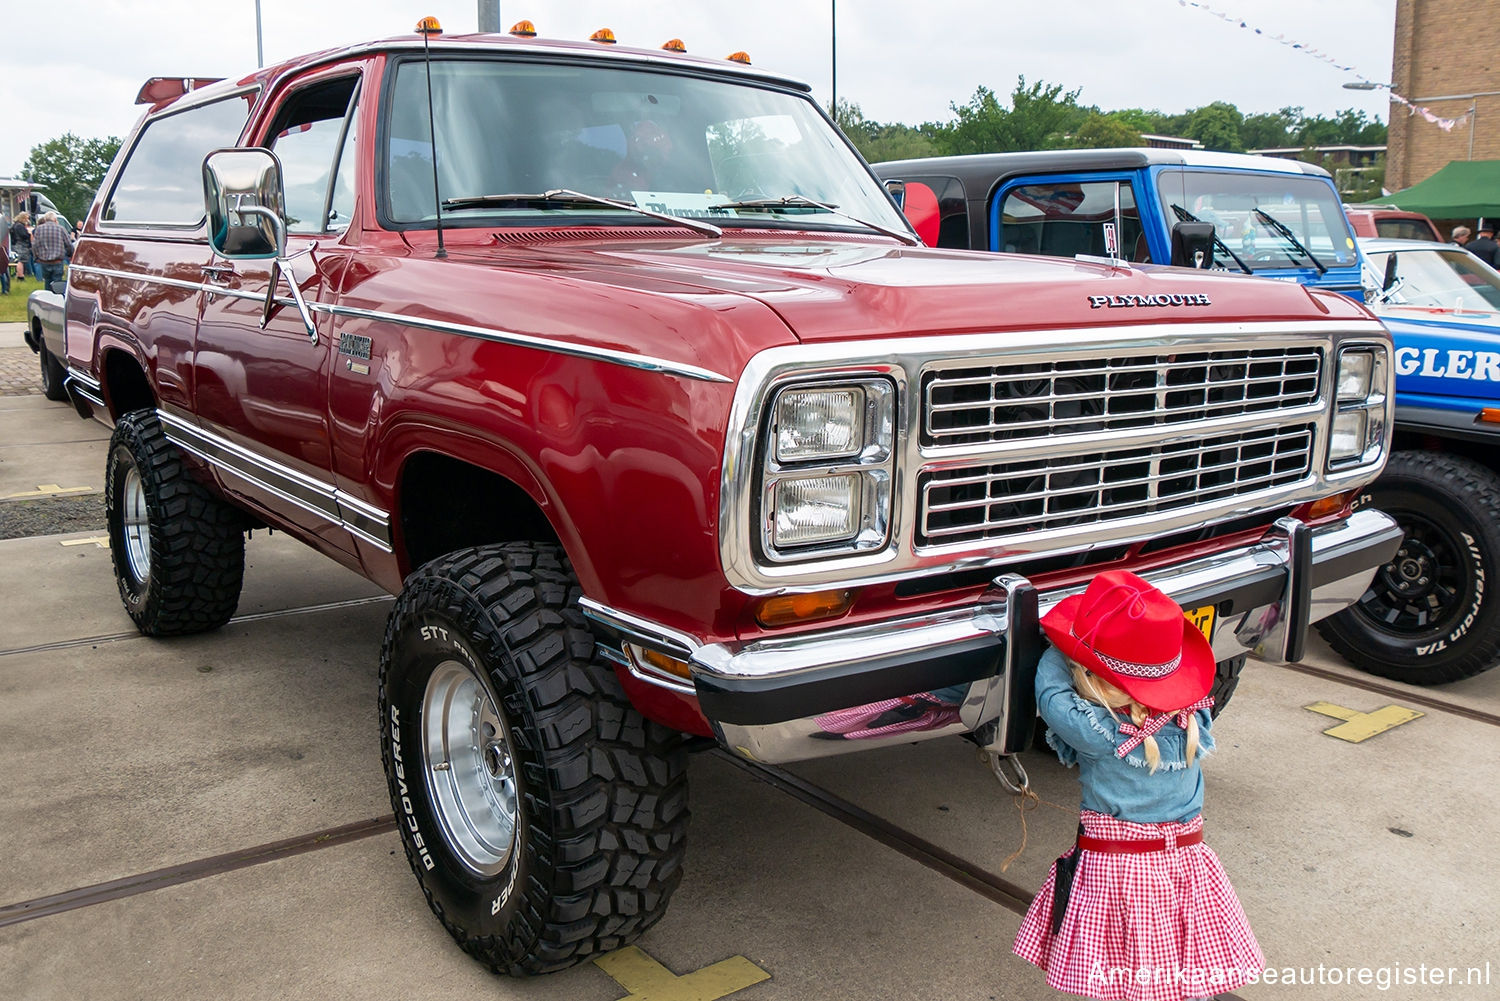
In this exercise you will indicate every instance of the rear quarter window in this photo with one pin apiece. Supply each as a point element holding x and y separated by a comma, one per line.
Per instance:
<point>161,181</point>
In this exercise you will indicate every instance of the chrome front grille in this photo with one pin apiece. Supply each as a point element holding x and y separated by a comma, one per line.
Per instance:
<point>995,500</point>
<point>1045,399</point>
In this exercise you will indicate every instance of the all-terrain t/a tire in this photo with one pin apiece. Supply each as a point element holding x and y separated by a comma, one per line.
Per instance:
<point>178,550</point>
<point>545,819</point>
<point>1432,614</point>
<point>1226,680</point>
<point>52,376</point>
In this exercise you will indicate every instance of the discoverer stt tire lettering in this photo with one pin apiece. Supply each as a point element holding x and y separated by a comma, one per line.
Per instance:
<point>558,831</point>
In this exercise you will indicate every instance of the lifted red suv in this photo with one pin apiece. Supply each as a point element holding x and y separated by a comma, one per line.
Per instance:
<point>671,429</point>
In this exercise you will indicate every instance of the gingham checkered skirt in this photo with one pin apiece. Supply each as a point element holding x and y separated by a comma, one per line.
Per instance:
<point>1156,926</point>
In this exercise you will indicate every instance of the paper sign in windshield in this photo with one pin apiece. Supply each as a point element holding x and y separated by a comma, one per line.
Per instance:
<point>688,204</point>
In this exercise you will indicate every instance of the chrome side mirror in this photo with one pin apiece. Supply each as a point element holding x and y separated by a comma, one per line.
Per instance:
<point>244,195</point>
<point>896,188</point>
<point>242,191</point>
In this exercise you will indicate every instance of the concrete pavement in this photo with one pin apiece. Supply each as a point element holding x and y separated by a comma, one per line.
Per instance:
<point>125,755</point>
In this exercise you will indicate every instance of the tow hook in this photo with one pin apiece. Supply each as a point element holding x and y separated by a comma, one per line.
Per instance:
<point>1009,771</point>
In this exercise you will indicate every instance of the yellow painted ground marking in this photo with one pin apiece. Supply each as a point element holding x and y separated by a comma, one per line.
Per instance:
<point>1358,726</point>
<point>102,541</point>
<point>648,980</point>
<point>47,490</point>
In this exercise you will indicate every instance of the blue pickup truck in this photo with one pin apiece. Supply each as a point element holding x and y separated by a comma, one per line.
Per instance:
<point>1432,614</point>
<point>1272,218</point>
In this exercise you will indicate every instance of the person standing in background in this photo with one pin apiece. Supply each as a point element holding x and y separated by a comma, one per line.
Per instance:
<point>20,242</point>
<point>51,246</point>
<point>1460,235</point>
<point>4,256</point>
<point>1485,248</point>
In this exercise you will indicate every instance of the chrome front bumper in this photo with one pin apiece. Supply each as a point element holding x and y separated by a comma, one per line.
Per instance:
<point>793,698</point>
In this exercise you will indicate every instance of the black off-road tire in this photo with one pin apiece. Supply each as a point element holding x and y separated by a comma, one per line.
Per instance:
<point>1432,614</point>
<point>1226,680</point>
<point>52,376</point>
<point>600,793</point>
<point>178,549</point>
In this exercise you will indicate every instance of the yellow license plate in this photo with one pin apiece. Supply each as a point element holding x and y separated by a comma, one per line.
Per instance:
<point>1203,618</point>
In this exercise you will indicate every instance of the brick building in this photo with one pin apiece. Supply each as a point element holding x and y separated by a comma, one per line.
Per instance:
<point>1446,58</point>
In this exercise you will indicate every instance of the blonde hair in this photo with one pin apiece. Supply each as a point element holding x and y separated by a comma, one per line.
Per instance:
<point>1112,698</point>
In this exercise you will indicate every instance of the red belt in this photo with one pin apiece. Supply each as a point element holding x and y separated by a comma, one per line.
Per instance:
<point>1141,847</point>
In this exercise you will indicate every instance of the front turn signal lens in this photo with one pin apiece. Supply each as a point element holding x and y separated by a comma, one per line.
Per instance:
<point>789,609</point>
<point>660,662</point>
<point>1325,506</point>
<point>1489,415</point>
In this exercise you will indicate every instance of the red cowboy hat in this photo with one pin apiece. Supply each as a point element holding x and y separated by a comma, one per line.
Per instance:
<point>1133,636</point>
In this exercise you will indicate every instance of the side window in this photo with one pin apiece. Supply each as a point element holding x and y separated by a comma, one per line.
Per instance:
<point>161,182</point>
<point>953,210</point>
<point>1066,218</point>
<point>311,133</point>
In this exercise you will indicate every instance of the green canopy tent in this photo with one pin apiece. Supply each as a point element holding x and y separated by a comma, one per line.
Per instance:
<point>1464,189</point>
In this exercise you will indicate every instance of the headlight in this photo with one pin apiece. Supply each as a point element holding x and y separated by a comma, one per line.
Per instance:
<point>1357,434</point>
<point>1355,368</point>
<point>826,480</point>
<point>819,423</point>
<point>818,509</point>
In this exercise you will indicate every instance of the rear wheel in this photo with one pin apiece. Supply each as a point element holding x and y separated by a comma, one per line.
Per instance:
<point>52,375</point>
<point>545,819</point>
<point>178,550</point>
<point>1432,614</point>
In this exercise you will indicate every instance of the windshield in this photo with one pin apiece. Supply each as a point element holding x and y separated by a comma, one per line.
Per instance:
<point>676,144</point>
<point>1438,279</point>
<point>1306,206</point>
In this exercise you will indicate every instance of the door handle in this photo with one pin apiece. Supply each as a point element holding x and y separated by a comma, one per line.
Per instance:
<point>218,273</point>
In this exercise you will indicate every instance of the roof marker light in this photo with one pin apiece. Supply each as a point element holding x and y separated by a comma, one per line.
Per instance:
<point>739,57</point>
<point>603,36</point>
<point>523,29</point>
<point>429,26</point>
<point>674,45</point>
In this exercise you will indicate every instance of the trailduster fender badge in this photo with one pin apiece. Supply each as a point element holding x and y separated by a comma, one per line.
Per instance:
<point>1172,299</point>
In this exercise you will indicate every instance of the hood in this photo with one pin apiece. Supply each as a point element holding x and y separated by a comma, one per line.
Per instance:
<point>1445,352</point>
<point>828,290</point>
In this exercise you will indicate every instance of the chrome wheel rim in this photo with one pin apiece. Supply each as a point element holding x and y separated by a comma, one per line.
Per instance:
<point>467,760</point>
<point>136,526</point>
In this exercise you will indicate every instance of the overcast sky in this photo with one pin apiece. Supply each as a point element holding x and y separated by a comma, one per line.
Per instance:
<point>75,65</point>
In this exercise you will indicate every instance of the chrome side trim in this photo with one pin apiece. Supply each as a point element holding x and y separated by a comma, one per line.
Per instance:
<point>85,379</point>
<point>305,492</point>
<point>623,627</point>
<point>645,363</point>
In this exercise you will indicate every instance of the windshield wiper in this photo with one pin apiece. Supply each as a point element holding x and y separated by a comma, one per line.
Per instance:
<point>802,201</point>
<point>1183,215</point>
<point>566,196</point>
<point>1291,238</point>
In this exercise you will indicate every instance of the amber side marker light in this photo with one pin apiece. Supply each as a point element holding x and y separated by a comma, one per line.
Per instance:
<point>661,662</point>
<point>1489,415</point>
<point>1330,505</point>
<point>523,29</point>
<point>674,45</point>
<point>739,57</point>
<point>787,609</point>
<point>429,26</point>
<point>603,36</point>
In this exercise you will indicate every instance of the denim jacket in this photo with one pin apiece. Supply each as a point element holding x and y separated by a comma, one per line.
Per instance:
<point>1086,734</point>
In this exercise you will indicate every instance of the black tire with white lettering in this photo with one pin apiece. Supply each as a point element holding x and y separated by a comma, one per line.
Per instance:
<point>178,549</point>
<point>545,819</point>
<point>1432,614</point>
<point>52,376</point>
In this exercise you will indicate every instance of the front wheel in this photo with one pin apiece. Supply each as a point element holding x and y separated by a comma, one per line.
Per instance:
<point>1431,614</point>
<point>545,819</point>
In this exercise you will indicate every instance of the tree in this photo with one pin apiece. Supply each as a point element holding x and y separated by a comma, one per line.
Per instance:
<point>69,170</point>
<point>1271,130</point>
<point>1040,117</point>
<point>1105,132</point>
<point>1217,126</point>
<point>879,142</point>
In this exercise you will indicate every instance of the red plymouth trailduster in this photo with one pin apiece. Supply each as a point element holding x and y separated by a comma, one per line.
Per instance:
<point>650,407</point>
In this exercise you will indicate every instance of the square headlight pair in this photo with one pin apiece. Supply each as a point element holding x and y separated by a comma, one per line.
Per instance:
<point>827,481</point>
<point>1357,436</point>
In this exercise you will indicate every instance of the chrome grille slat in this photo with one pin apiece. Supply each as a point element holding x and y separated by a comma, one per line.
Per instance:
<point>994,500</point>
<point>967,405</point>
